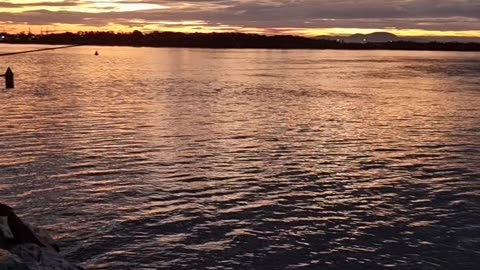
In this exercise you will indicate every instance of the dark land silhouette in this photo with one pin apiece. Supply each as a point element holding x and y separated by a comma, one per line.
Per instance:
<point>225,40</point>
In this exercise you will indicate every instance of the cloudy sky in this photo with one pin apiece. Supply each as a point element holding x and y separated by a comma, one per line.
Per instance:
<point>304,17</point>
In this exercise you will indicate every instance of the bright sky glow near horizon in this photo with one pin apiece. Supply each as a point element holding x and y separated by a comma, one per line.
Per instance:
<point>459,18</point>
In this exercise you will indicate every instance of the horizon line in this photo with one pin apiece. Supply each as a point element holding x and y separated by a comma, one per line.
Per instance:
<point>374,31</point>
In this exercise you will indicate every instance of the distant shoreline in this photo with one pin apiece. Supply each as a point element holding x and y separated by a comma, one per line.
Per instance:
<point>224,41</point>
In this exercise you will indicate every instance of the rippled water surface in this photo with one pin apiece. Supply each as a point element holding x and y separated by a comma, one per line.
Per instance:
<point>145,158</point>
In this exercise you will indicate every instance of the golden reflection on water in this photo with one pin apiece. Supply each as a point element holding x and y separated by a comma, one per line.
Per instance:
<point>243,156</point>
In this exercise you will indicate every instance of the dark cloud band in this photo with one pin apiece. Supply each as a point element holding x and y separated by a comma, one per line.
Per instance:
<point>451,15</point>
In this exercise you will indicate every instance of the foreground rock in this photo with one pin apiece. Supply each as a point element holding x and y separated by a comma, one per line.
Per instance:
<point>25,248</point>
<point>11,261</point>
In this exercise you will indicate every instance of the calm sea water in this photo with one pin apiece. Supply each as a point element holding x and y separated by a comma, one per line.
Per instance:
<point>144,158</point>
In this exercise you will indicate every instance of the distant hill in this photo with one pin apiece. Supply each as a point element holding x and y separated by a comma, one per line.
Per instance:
<point>376,37</point>
<point>382,37</point>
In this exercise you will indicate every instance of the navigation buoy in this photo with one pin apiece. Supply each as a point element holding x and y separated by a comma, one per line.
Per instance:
<point>9,79</point>
<point>96,52</point>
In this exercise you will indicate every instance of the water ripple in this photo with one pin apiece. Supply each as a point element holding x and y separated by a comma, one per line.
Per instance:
<point>246,159</point>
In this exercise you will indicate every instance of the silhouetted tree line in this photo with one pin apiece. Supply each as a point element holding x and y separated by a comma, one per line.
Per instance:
<point>222,40</point>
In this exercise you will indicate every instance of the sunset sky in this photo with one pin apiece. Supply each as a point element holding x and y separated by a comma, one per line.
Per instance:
<point>302,17</point>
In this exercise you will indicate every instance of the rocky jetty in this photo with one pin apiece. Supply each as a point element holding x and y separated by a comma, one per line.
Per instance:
<point>23,247</point>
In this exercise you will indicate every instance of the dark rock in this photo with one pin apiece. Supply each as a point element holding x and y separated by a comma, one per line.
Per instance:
<point>9,261</point>
<point>23,247</point>
<point>14,231</point>
<point>38,258</point>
